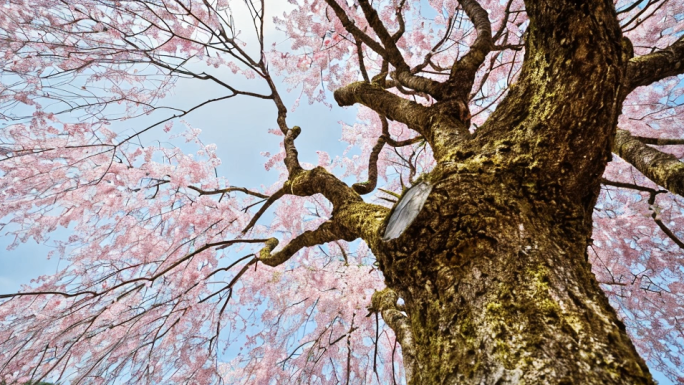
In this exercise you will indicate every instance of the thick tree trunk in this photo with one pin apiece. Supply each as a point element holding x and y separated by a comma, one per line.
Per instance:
<point>497,289</point>
<point>494,271</point>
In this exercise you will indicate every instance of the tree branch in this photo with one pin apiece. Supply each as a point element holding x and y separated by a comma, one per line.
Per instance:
<point>662,168</point>
<point>362,66</point>
<point>394,56</point>
<point>419,84</point>
<point>385,302</point>
<point>373,96</point>
<point>463,71</point>
<point>354,30</point>
<point>388,50</point>
<point>369,185</point>
<point>327,232</point>
<point>291,154</point>
<point>392,142</point>
<point>278,194</point>
<point>228,190</point>
<point>651,202</point>
<point>659,141</point>
<point>648,69</point>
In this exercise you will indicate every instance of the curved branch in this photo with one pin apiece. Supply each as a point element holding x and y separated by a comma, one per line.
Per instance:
<point>648,69</point>
<point>369,185</point>
<point>662,168</point>
<point>307,183</point>
<point>291,154</point>
<point>327,232</point>
<point>464,70</point>
<point>392,142</point>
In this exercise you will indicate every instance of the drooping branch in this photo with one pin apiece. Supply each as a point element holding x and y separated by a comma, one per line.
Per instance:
<point>648,69</point>
<point>662,168</point>
<point>156,274</point>
<point>327,232</point>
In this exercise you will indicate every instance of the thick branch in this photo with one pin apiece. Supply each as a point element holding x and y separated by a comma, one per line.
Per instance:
<point>327,232</point>
<point>385,302</point>
<point>419,84</point>
<point>394,56</point>
<point>291,160</point>
<point>320,181</point>
<point>647,69</point>
<point>659,141</point>
<point>662,168</point>
<point>464,70</point>
<point>414,115</point>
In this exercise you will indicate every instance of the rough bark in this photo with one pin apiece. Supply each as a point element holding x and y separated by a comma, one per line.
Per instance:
<point>497,289</point>
<point>644,70</point>
<point>662,168</point>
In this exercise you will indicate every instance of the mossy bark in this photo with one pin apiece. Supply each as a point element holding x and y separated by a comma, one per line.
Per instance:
<point>497,289</point>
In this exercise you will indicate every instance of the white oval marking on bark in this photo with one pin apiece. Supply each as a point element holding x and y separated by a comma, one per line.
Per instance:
<point>407,210</point>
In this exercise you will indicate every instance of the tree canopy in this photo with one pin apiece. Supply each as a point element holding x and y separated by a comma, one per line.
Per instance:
<point>169,268</point>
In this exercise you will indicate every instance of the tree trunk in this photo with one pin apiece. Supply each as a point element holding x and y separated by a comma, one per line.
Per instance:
<point>494,271</point>
<point>497,289</point>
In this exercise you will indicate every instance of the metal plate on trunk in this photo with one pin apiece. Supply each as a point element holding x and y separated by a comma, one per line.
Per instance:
<point>407,210</point>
